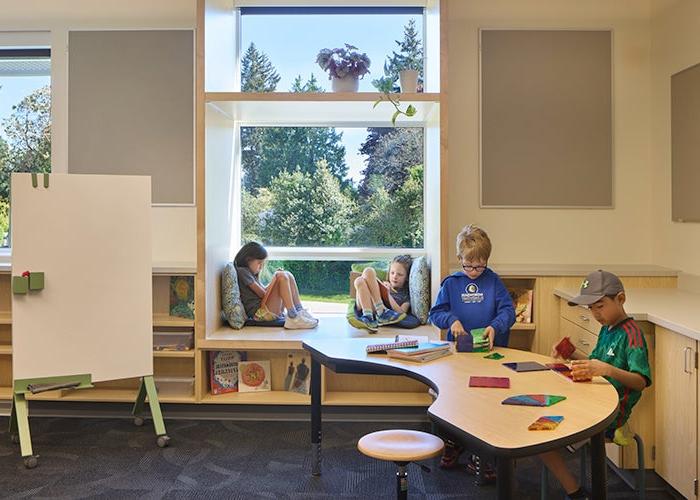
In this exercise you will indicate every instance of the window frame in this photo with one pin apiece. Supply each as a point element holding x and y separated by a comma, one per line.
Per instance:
<point>15,46</point>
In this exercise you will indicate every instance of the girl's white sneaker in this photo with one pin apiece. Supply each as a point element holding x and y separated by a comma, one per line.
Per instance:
<point>299,322</point>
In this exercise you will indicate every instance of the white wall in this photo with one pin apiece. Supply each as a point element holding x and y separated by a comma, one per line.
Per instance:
<point>619,235</point>
<point>174,228</point>
<point>675,45</point>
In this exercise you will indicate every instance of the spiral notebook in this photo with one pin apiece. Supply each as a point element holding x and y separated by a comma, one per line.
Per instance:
<point>383,348</point>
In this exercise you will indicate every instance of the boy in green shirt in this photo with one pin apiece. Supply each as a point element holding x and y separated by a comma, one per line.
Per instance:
<point>620,356</point>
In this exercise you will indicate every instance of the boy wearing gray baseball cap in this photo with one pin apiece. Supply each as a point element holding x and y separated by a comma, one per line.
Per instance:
<point>620,355</point>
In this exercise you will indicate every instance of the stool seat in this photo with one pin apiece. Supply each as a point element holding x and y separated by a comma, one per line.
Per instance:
<point>400,445</point>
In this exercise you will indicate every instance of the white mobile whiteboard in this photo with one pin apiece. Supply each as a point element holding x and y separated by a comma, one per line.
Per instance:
<point>91,236</point>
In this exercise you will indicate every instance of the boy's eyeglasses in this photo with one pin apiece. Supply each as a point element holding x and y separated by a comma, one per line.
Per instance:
<point>473,268</point>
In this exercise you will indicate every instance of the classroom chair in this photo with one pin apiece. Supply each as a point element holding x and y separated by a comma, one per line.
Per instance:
<point>639,485</point>
<point>401,447</point>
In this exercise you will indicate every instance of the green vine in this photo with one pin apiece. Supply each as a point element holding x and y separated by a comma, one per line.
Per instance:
<point>409,111</point>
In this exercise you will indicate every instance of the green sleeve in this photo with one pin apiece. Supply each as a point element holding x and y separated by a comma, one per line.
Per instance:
<point>638,361</point>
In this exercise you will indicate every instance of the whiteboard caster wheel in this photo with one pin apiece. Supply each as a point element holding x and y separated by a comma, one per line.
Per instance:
<point>31,462</point>
<point>163,441</point>
<point>138,421</point>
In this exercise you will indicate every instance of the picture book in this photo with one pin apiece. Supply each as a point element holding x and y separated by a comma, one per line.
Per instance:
<point>533,400</point>
<point>526,366</point>
<point>423,357</point>
<point>254,376</point>
<point>422,348</point>
<point>548,423</point>
<point>522,302</point>
<point>298,376</point>
<point>223,370</point>
<point>182,296</point>
<point>495,382</point>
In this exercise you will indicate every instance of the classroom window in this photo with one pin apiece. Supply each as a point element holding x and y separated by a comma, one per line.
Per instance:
<point>392,37</point>
<point>333,187</point>
<point>25,120</point>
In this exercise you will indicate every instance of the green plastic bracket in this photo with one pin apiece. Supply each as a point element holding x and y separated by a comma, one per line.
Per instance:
<point>20,285</point>
<point>36,280</point>
<point>46,181</point>
<point>35,181</point>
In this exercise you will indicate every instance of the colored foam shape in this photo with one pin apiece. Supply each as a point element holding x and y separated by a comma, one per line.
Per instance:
<point>546,423</point>
<point>533,400</point>
<point>495,382</point>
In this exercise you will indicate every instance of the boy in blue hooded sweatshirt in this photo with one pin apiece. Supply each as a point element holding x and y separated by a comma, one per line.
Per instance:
<point>473,298</point>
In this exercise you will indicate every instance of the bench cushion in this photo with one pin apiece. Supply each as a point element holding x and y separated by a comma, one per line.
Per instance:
<point>419,288</point>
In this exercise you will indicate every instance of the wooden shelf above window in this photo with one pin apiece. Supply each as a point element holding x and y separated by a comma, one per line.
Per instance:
<point>338,109</point>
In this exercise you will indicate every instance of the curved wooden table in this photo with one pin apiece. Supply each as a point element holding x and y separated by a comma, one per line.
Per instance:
<point>475,415</point>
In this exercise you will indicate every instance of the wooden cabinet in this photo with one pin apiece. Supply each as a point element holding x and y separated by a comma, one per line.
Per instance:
<point>169,365</point>
<point>676,410</point>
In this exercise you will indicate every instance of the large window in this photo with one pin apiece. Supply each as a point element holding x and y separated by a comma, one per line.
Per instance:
<point>392,37</point>
<point>25,120</point>
<point>333,187</point>
<point>323,196</point>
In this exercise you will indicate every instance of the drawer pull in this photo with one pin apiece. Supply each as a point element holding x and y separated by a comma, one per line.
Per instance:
<point>688,360</point>
<point>583,317</point>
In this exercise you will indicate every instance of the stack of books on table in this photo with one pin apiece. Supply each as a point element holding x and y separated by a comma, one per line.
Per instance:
<point>426,351</point>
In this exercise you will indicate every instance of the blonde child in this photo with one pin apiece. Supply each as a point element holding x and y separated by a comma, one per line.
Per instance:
<point>383,303</point>
<point>620,355</point>
<point>266,303</point>
<point>474,297</point>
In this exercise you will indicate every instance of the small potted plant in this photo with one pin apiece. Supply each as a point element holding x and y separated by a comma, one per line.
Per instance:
<point>408,76</point>
<point>345,67</point>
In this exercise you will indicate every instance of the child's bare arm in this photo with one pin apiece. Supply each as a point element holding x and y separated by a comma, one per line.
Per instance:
<point>594,367</point>
<point>259,290</point>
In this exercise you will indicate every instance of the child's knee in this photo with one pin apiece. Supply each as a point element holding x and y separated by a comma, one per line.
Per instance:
<point>282,275</point>
<point>359,282</point>
<point>369,273</point>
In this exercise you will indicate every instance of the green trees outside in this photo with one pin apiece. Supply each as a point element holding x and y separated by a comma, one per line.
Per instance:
<point>28,145</point>
<point>409,56</point>
<point>295,186</point>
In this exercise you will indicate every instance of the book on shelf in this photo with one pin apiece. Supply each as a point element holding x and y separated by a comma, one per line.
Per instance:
<point>522,302</point>
<point>298,377</point>
<point>182,296</point>
<point>223,370</point>
<point>254,376</point>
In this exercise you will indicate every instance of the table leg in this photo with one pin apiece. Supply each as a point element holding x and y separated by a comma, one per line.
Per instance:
<point>315,417</point>
<point>505,474</point>
<point>598,467</point>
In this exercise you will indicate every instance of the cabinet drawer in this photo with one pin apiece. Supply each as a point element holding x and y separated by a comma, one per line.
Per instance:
<point>584,340</point>
<point>580,316</point>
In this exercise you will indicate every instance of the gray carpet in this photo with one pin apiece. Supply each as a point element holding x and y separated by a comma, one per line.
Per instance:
<point>110,458</point>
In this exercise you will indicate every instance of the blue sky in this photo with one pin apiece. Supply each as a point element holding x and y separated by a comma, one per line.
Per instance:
<point>14,89</point>
<point>292,43</point>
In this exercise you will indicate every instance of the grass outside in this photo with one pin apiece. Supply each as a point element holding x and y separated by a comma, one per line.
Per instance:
<point>338,298</point>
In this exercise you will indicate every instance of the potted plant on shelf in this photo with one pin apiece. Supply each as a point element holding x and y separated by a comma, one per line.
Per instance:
<point>345,67</point>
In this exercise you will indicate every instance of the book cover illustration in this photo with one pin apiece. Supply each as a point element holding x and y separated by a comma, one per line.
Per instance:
<point>182,296</point>
<point>254,376</point>
<point>223,370</point>
<point>522,302</point>
<point>533,400</point>
<point>547,423</point>
<point>298,377</point>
